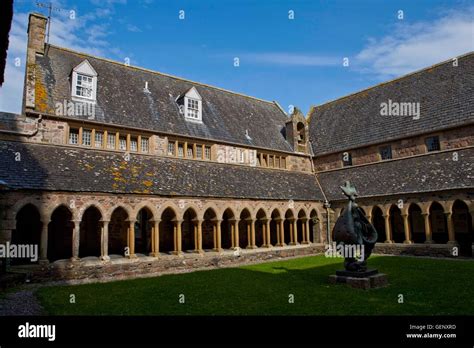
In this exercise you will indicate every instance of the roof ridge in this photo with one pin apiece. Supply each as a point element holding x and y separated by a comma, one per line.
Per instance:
<point>159,73</point>
<point>313,107</point>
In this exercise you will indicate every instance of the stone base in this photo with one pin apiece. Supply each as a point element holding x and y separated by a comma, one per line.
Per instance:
<point>365,274</point>
<point>373,281</point>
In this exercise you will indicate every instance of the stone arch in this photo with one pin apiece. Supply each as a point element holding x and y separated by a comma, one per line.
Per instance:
<point>148,205</point>
<point>125,207</point>
<point>378,221</point>
<point>13,211</point>
<point>189,229</point>
<point>438,222</point>
<point>169,205</point>
<point>90,229</point>
<point>315,226</point>
<point>209,228</point>
<point>463,229</point>
<point>416,222</point>
<point>144,216</point>
<point>245,220</point>
<point>27,230</point>
<point>194,208</point>
<point>103,212</point>
<point>300,226</point>
<point>168,224</point>
<point>60,233</point>
<point>228,228</point>
<point>119,230</point>
<point>396,224</point>
<point>288,234</point>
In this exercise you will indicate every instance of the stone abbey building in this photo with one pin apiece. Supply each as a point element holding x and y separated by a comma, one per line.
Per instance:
<point>115,170</point>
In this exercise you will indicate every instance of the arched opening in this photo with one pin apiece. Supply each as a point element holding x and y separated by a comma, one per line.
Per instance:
<point>143,230</point>
<point>167,226</point>
<point>417,224</point>
<point>462,222</point>
<point>301,133</point>
<point>439,224</point>
<point>396,224</point>
<point>300,227</point>
<point>288,228</point>
<point>260,226</point>
<point>378,222</point>
<point>226,229</point>
<point>189,230</point>
<point>90,232</point>
<point>27,231</point>
<point>209,230</point>
<point>274,228</point>
<point>60,234</point>
<point>314,227</point>
<point>244,228</point>
<point>118,232</point>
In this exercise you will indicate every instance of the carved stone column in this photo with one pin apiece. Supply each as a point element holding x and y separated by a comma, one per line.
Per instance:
<point>104,241</point>
<point>428,233</point>
<point>388,229</point>
<point>131,238</point>
<point>44,241</point>
<point>155,238</point>
<point>75,240</point>
<point>406,228</point>
<point>177,237</point>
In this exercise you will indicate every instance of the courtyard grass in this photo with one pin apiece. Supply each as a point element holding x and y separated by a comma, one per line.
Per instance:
<point>428,286</point>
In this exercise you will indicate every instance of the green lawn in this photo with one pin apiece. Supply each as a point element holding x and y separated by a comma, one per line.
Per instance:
<point>429,287</point>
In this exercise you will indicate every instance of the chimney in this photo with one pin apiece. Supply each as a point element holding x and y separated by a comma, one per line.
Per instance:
<point>36,43</point>
<point>36,33</point>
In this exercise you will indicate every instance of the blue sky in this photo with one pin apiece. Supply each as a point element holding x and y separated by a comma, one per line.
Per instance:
<point>292,61</point>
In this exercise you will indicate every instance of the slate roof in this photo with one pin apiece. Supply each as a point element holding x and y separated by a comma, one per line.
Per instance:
<point>121,100</point>
<point>435,171</point>
<point>445,94</point>
<point>58,168</point>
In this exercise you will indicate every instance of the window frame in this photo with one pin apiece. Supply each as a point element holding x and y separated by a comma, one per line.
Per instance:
<point>389,152</point>
<point>438,143</point>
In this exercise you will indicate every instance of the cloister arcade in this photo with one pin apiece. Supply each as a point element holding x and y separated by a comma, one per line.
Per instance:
<point>433,222</point>
<point>123,231</point>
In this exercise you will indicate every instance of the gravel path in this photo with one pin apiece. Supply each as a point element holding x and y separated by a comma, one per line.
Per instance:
<point>22,302</point>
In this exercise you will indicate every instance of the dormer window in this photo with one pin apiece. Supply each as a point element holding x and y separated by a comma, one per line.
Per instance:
<point>84,82</point>
<point>190,104</point>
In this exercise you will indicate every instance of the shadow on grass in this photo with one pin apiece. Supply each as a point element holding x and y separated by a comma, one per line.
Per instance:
<point>290,287</point>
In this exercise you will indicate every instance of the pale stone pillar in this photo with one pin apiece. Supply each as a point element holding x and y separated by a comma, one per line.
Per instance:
<point>198,241</point>
<point>236,234</point>
<point>406,229</point>
<point>281,222</point>
<point>307,231</point>
<point>451,236</point>
<point>44,241</point>
<point>131,239</point>
<point>252,235</point>
<point>218,244</point>
<point>277,225</point>
<point>155,238</point>
<point>428,233</point>
<point>293,232</point>
<point>267,230</point>
<point>264,233</point>
<point>75,239</point>
<point>177,237</point>
<point>232,234</point>
<point>388,229</point>
<point>104,241</point>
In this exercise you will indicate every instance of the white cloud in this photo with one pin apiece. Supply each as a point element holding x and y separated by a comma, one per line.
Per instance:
<point>414,46</point>
<point>133,28</point>
<point>290,59</point>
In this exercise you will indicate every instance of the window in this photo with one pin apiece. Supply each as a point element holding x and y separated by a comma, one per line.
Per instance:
<point>386,152</point>
<point>123,143</point>
<point>432,143</point>
<point>347,159</point>
<point>74,136</point>
<point>193,109</point>
<point>171,148</point>
<point>207,152</point>
<point>144,144</point>
<point>111,141</point>
<point>99,139</point>
<point>190,151</point>
<point>241,156</point>
<point>84,82</point>
<point>199,151</point>
<point>133,144</point>
<point>277,162</point>
<point>86,137</point>
<point>270,161</point>
<point>84,86</point>
<point>180,150</point>
<point>283,162</point>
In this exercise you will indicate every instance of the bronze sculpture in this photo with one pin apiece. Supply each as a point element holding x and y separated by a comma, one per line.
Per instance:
<point>353,229</point>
